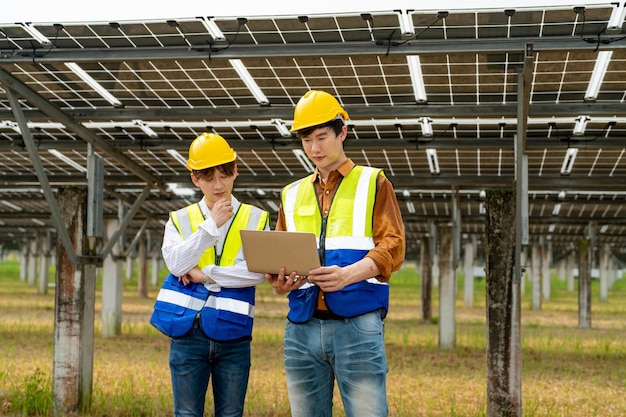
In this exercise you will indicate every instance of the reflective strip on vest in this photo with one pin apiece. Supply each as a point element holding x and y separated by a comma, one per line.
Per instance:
<point>232,305</point>
<point>349,225</point>
<point>187,219</point>
<point>290,196</point>
<point>180,299</point>
<point>361,221</point>
<point>343,242</point>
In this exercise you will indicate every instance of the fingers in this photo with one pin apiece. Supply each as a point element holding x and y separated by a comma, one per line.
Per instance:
<point>327,278</point>
<point>282,284</point>
<point>222,211</point>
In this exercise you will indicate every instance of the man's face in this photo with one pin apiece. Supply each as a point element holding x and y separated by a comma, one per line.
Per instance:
<point>324,148</point>
<point>215,186</point>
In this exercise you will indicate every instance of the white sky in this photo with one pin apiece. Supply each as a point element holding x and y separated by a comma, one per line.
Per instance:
<point>65,11</point>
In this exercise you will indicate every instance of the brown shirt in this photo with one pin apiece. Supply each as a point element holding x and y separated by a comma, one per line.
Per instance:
<point>388,229</point>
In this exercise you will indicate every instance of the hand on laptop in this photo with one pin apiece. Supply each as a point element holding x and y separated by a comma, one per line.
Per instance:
<point>282,284</point>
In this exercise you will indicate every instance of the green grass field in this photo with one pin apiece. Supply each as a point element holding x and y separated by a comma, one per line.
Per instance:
<point>566,371</point>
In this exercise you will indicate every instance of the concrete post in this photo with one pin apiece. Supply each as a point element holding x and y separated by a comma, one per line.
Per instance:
<point>447,287</point>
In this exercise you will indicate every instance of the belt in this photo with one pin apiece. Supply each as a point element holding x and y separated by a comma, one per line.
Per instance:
<point>326,315</point>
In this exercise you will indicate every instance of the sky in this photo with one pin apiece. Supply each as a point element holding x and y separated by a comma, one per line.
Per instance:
<point>66,11</point>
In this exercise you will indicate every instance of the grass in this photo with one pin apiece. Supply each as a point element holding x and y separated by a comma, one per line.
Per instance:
<point>566,371</point>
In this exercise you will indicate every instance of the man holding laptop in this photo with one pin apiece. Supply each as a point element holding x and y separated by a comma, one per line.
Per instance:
<point>335,321</point>
<point>206,304</point>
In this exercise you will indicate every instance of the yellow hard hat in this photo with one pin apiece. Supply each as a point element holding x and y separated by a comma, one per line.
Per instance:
<point>316,108</point>
<point>209,150</point>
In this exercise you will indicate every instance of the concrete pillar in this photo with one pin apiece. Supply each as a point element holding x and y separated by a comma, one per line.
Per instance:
<point>44,264</point>
<point>32,261</point>
<point>535,274</point>
<point>525,271</point>
<point>23,261</point>
<point>426,264</point>
<point>561,267</point>
<point>142,280</point>
<point>112,286</point>
<point>612,272</point>
<point>584,283</point>
<point>70,368</point>
<point>130,266</point>
<point>569,276</point>
<point>436,271</point>
<point>468,273</point>
<point>546,261</point>
<point>603,268</point>
<point>447,289</point>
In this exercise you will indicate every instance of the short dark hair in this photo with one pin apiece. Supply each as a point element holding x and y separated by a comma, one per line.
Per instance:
<point>227,169</point>
<point>336,125</point>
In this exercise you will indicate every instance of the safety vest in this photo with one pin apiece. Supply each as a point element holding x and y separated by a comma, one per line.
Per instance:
<point>225,315</point>
<point>344,237</point>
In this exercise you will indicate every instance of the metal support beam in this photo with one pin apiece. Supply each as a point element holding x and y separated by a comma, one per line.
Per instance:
<point>521,228</point>
<point>357,112</point>
<point>138,234</point>
<point>57,114</point>
<point>42,177</point>
<point>124,224</point>
<point>288,50</point>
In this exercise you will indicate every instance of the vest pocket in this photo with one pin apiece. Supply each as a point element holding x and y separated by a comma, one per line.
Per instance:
<point>169,308</point>
<point>232,317</point>
<point>176,306</point>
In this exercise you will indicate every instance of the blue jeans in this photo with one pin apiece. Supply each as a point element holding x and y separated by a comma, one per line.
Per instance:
<point>194,358</point>
<point>352,351</point>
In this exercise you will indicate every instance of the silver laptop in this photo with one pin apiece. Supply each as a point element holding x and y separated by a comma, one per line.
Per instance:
<point>266,251</point>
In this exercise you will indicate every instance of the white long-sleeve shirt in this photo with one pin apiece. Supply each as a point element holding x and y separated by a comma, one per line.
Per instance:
<point>181,255</point>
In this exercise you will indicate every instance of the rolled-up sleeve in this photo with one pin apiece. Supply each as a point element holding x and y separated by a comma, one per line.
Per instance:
<point>388,229</point>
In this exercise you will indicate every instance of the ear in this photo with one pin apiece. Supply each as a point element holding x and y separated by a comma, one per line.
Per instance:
<point>235,172</point>
<point>344,133</point>
<point>194,180</point>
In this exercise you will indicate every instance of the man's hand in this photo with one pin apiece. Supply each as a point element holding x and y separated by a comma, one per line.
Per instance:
<point>329,278</point>
<point>222,211</point>
<point>282,284</point>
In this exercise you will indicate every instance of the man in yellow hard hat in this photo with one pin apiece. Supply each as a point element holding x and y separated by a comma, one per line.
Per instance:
<point>206,304</point>
<point>334,326</point>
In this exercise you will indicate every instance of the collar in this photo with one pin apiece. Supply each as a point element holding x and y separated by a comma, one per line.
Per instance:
<point>344,169</point>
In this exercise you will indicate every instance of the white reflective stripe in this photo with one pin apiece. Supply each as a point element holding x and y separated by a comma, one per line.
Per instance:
<point>376,281</point>
<point>184,223</point>
<point>180,299</point>
<point>255,217</point>
<point>349,242</point>
<point>230,304</point>
<point>290,206</point>
<point>360,210</point>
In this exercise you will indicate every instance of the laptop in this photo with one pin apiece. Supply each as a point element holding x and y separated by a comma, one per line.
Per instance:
<point>266,251</point>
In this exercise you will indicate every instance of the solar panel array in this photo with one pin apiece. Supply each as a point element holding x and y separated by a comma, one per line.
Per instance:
<point>177,78</point>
